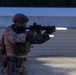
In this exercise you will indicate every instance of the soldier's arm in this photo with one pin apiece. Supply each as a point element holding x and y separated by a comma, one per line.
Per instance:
<point>8,36</point>
<point>0,43</point>
<point>39,38</point>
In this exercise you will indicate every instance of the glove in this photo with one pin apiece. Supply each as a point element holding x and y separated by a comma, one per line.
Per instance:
<point>49,31</point>
<point>31,33</point>
<point>38,31</point>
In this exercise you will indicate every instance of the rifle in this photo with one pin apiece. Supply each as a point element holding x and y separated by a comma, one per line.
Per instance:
<point>53,28</point>
<point>38,28</point>
<point>35,27</point>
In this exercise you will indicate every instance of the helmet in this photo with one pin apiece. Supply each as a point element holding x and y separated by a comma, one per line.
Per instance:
<point>21,18</point>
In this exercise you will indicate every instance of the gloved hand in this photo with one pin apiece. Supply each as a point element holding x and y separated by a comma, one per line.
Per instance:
<point>30,33</point>
<point>38,31</point>
<point>49,31</point>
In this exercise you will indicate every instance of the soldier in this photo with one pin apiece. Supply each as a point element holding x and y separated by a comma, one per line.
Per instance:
<point>17,44</point>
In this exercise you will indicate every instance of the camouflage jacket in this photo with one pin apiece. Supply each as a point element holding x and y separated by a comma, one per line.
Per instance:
<point>11,38</point>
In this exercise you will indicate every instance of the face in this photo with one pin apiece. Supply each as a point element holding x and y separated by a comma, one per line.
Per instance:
<point>19,24</point>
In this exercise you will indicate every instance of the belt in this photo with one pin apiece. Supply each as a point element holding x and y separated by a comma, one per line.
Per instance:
<point>18,61</point>
<point>16,58</point>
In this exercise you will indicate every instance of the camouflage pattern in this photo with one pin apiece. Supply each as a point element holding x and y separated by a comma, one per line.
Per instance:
<point>16,66</point>
<point>11,38</point>
<point>2,70</point>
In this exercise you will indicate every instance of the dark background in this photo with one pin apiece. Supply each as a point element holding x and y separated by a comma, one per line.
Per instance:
<point>37,3</point>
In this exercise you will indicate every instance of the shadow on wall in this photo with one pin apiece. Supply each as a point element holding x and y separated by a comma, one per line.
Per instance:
<point>50,66</point>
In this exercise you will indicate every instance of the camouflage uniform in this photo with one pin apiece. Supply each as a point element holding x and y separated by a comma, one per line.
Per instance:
<point>16,62</point>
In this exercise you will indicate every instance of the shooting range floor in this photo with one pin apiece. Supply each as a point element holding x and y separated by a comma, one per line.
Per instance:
<point>51,65</point>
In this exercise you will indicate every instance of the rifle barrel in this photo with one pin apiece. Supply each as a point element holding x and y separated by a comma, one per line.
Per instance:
<point>61,28</point>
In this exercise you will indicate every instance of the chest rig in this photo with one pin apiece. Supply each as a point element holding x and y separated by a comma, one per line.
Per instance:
<point>20,48</point>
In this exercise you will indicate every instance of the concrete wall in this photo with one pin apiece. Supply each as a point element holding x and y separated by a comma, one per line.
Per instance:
<point>43,20</point>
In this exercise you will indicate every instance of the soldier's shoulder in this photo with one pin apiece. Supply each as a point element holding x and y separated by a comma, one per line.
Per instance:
<point>7,30</point>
